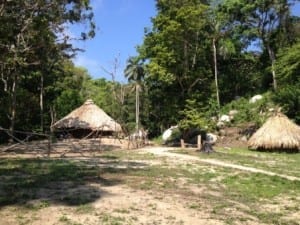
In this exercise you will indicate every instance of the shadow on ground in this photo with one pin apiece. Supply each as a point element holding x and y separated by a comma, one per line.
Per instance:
<point>59,181</point>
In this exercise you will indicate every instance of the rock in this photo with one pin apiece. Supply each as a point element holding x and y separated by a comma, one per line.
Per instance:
<point>220,125</point>
<point>224,118</point>
<point>255,98</point>
<point>211,138</point>
<point>233,112</point>
<point>167,133</point>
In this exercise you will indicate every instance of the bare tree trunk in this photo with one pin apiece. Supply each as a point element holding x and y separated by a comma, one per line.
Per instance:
<point>272,58</point>
<point>53,117</point>
<point>216,71</point>
<point>42,102</point>
<point>13,107</point>
<point>137,107</point>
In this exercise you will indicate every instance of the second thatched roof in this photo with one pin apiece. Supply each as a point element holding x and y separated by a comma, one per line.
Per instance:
<point>88,116</point>
<point>278,132</point>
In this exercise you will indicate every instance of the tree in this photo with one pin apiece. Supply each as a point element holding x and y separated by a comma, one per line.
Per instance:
<point>26,28</point>
<point>177,57</point>
<point>134,71</point>
<point>219,30</point>
<point>261,20</point>
<point>288,67</point>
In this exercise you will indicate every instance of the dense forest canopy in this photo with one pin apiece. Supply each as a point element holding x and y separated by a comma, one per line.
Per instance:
<point>195,60</point>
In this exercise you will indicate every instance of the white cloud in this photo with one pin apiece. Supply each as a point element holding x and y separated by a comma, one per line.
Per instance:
<point>90,64</point>
<point>98,69</point>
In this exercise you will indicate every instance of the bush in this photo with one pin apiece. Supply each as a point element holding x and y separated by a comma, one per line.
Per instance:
<point>255,113</point>
<point>289,98</point>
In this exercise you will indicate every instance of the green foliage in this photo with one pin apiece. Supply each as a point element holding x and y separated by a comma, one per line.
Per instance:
<point>255,113</point>
<point>195,117</point>
<point>288,65</point>
<point>67,101</point>
<point>33,47</point>
<point>288,94</point>
<point>173,74</point>
<point>288,97</point>
<point>175,50</point>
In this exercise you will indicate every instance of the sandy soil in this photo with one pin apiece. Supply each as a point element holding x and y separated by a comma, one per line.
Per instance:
<point>120,204</point>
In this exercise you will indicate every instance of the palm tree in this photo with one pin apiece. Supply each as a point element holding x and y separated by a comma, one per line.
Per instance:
<point>135,72</point>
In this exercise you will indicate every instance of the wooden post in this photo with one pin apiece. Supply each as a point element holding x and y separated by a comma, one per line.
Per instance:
<point>49,144</point>
<point>182,143</point>
<point>199,142</point>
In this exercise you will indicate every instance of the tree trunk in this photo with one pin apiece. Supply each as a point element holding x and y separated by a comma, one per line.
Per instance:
<point>42,102</point>
<point>272,58</point>
<point>137,107</point>
<point>216,71</point>
<point>13,107</point>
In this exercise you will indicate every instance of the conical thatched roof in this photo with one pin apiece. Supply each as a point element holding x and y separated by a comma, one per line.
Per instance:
<point>88,116</point>
<point>278,132</point>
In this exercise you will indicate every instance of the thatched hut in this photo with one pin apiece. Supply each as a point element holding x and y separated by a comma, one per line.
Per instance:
<point>277,133</point>
<point>86,119</point>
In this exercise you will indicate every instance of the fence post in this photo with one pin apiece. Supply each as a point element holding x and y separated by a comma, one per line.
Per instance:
<point>199,142</point>
<point>182,143</point>
<point>49,144</point>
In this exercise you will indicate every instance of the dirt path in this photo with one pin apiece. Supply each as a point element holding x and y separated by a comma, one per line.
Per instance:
<point>182,203</point>
<point>165,151</point>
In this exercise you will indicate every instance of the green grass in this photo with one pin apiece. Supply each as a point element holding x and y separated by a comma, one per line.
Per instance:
<point>23,179</point>
<point>85,209</point>
<point>248,187</point>
<point>250,190</point>
<point>109,219</point>
<point>219,190</point>
<point>282,163</point>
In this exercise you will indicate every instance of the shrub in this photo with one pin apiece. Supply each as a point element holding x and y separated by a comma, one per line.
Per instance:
<point>255,113</point>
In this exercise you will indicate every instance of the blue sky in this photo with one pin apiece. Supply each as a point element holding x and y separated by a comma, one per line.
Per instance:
<point>120,28</point>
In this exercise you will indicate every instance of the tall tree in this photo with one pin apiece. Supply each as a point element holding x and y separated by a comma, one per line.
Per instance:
<point>219,30</point>
<point>262,20</point>
<point>176,52</point>
<point>135,72</point>
<point>26,28</point>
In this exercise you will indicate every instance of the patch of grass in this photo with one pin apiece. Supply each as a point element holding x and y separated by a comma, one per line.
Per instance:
<point>67,221</point>
<point>77,199</point>
<point>282,163</point>
<point>22,180</point>
<point>273,218</point>
<point>194,206</point>
<point>123,211</point>
<point>38,205</point>
<point>152,206</point>
<point>249,187</point>
<point>85,209</point>
<point>22,220</point>
<point>108,219</point>
<point>63,218</point>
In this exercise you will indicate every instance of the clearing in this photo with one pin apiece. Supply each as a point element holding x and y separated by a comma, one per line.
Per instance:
<point>152,185</point>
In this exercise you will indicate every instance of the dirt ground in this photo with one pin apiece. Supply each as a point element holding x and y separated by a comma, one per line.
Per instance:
<point>118,203</point>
